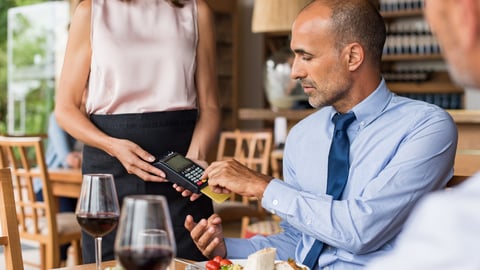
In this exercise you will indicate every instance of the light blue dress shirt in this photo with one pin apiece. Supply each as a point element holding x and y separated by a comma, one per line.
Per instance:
<point>400,149</point>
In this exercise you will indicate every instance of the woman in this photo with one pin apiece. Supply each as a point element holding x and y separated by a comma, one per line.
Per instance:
<point>150,70</point>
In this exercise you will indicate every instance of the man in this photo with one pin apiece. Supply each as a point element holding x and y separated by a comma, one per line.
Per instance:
<point>443,231</point>
<point>399,149</point>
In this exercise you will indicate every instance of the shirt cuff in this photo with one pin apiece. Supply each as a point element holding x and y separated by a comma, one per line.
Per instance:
<point>274,199</point>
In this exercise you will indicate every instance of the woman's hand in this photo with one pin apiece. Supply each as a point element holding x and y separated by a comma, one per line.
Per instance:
<point>136,160</point>
<point>186,192</point>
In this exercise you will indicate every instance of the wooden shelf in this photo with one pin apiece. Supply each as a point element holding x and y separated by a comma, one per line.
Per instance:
<point>268,114</point>
<point>402,13</point>
<point>459,116</point>
<point>465,116</point>
<point>411,57</point>
<point>424,87</point>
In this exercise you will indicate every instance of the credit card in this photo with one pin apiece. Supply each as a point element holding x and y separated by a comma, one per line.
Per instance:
<point>216,197</point>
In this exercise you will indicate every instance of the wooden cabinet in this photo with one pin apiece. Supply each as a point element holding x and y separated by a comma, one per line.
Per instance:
<point>226,23</point>
<point>412,63</point>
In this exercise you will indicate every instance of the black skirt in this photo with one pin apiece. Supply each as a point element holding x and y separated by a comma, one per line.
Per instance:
<point>156,133</point>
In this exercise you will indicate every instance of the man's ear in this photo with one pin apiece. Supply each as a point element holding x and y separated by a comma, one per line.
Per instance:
<point>354,55</point>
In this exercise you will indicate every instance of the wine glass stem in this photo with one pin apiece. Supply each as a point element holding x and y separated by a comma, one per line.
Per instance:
<point>98,252</point>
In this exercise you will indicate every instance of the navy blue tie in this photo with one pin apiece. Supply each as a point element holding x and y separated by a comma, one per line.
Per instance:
<point>338,166</point>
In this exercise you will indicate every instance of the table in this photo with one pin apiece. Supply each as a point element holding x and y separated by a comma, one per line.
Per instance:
<point>178,266</point>
<point>65,182</point>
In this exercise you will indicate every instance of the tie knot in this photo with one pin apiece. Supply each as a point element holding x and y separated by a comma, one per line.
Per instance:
<point>342,121</point>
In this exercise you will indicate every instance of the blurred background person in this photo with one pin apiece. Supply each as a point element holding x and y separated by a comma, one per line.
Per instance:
<point>443,231</point>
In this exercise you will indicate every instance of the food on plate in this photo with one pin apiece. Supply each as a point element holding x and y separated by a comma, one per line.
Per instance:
<point>288,265</point>
<point>219,263</point>
<point>261,260</point>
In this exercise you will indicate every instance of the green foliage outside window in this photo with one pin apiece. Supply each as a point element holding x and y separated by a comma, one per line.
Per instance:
<point>23,57</point>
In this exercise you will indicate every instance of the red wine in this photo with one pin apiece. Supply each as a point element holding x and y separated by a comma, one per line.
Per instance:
<point>98,224</point>
<point>147,258</point>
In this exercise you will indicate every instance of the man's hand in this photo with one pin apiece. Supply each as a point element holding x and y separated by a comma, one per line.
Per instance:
<point>231,176</point>
<point>207,235</point>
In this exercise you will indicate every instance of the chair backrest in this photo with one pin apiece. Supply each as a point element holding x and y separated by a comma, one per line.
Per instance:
<point>37,219</point>
<point>9,237</point>
<point>251,148</point>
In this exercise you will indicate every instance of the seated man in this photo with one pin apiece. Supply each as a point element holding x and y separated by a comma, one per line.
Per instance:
<point>344,198</point>
<point>444,230</point>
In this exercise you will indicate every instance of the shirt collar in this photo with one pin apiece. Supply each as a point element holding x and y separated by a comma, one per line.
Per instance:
<point>372,106</point>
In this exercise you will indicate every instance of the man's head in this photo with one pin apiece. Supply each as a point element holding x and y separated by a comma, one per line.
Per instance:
<point>338,45</point>
<point>456,24</point>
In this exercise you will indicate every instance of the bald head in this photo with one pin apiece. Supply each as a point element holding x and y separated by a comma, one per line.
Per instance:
<point>352,21</point>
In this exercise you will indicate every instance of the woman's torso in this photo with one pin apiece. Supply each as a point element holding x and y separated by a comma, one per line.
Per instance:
<point>143,56</point>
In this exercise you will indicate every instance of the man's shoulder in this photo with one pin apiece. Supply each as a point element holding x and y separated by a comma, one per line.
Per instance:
<point>417,110</point>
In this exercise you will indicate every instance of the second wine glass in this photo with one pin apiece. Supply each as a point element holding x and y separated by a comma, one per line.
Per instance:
<point>145,239</point>
<point>97,209</point>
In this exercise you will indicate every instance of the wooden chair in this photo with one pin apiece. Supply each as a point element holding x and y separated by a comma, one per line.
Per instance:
<point>38,220</point>
<point>9,237</point>
<point>251,148</point>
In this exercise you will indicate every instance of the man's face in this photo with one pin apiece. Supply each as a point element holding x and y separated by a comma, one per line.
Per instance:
<point>443,22</point>
<point>318,63</point>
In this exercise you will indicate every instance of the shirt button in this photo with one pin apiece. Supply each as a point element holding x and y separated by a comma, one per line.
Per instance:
<point>326,268</point>
<point>275,202</point>
<point>309,221</point>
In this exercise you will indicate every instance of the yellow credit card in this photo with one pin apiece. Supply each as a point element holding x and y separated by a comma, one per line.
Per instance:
<point>217,197</point>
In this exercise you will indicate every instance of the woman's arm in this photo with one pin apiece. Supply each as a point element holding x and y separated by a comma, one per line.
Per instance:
<point>208,124</point>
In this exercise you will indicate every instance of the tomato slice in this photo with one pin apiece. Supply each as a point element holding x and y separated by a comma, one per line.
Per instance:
<point>217,259</point>
<point>212,265</point>
<point>225,262</point>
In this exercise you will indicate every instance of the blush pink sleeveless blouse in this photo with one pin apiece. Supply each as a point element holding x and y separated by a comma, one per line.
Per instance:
<point>143,56</point>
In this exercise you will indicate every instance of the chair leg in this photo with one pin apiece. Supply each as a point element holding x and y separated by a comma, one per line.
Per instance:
<point>43,257</point>
<point>77,252</point>
<point>52,253</point>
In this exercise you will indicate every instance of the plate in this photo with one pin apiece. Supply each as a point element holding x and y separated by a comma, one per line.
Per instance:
<point>242,262</point>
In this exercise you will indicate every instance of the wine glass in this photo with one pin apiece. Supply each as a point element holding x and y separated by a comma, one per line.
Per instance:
<point>97,209</point>
<point>145,239</point>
